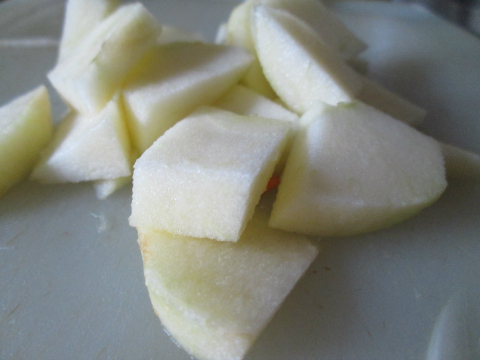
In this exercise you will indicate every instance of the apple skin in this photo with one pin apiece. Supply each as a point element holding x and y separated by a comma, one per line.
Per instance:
<point>25,130</point>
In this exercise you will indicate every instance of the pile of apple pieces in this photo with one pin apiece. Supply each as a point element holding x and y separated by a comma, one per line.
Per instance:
<point>217,265</point>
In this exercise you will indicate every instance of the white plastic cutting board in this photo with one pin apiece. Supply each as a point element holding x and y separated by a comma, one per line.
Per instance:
<point>71,282</point>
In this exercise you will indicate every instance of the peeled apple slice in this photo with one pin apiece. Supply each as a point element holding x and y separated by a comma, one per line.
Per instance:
<point>299,66</point>
<point>214,298</point>
<point>25,129</point>
<point>174,79</point>
<point>238,33</point>
<point>87,148</point>
<point>333,32</point>
<point>204,176</point>
<point>89,77</point>
<point>81,17</point>
<point>354,169</point>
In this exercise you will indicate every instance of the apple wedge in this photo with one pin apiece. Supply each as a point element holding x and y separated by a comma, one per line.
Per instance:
<point>204,176</point>
<point>325,23</point>
<point>354,169</point>
<point>81,17</point>
<point>174,79</point>
<point>214,298</point>
<point>87,148</point>
<point>89,77</point>
<point>238,33</point>
<point>299,66</point>
<point>25,129</point>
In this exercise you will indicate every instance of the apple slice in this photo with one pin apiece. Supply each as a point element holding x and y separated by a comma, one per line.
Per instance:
<point>299,66</point>
<point>87,148</point>
<point>390,103</point>
<point>205,175</point>
<point>214,298</point>
<point>239,34</point>
<point>81,17</point>
<point>25,129</point>
<point>90,76</point>
<point>325,23</point>
<point>174,79</point>
<point>354,169</point>
<point>461,164</point>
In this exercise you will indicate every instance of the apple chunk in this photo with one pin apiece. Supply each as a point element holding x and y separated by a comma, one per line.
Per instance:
<point>81,17</point>
<point>89,77</point>
<point>213,297</point>
<point>205,175</point>
<point>300,67</point>
<point>87,148</point>
<point>25,129</point>
<point>354,169</point>
<point>174,79</point>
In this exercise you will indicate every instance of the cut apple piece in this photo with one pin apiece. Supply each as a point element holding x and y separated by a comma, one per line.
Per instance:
<point>299,66</point>
<point>81,17</point>
<point>390,103</point>
<point>244,101</point>
<point>354,169</point>
<point>239,34</point>
<point>87,148</point>
<point>461,164</point>
<point>325,23</point>
<point>25,129</point>
<point>174,79</point>
<point>214,298</point>
<point>204,176</point>
<point>90,76</point>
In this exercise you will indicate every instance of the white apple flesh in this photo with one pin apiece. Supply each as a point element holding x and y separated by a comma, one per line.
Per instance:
<point>93,73</point>
<point>25,129</point>
<point>204,176</point>
<point>87,148</point>
<point>214,298</point>
<point>174,79</point>
<point>299,66</point>
<point>354,169</point>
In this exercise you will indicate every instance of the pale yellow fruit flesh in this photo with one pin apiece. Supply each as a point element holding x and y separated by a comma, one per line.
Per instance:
<point>81,17</point>
<point>174,79</point>
<point>353,169</point>
<point>87,148</point>
<point>25,129</point>
<point>214,298</point>
<point>205,175</point>
<point>93,73</point>
<point>299,66</point>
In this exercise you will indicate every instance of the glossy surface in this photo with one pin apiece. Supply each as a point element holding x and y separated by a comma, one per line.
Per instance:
<point>71,282</point>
